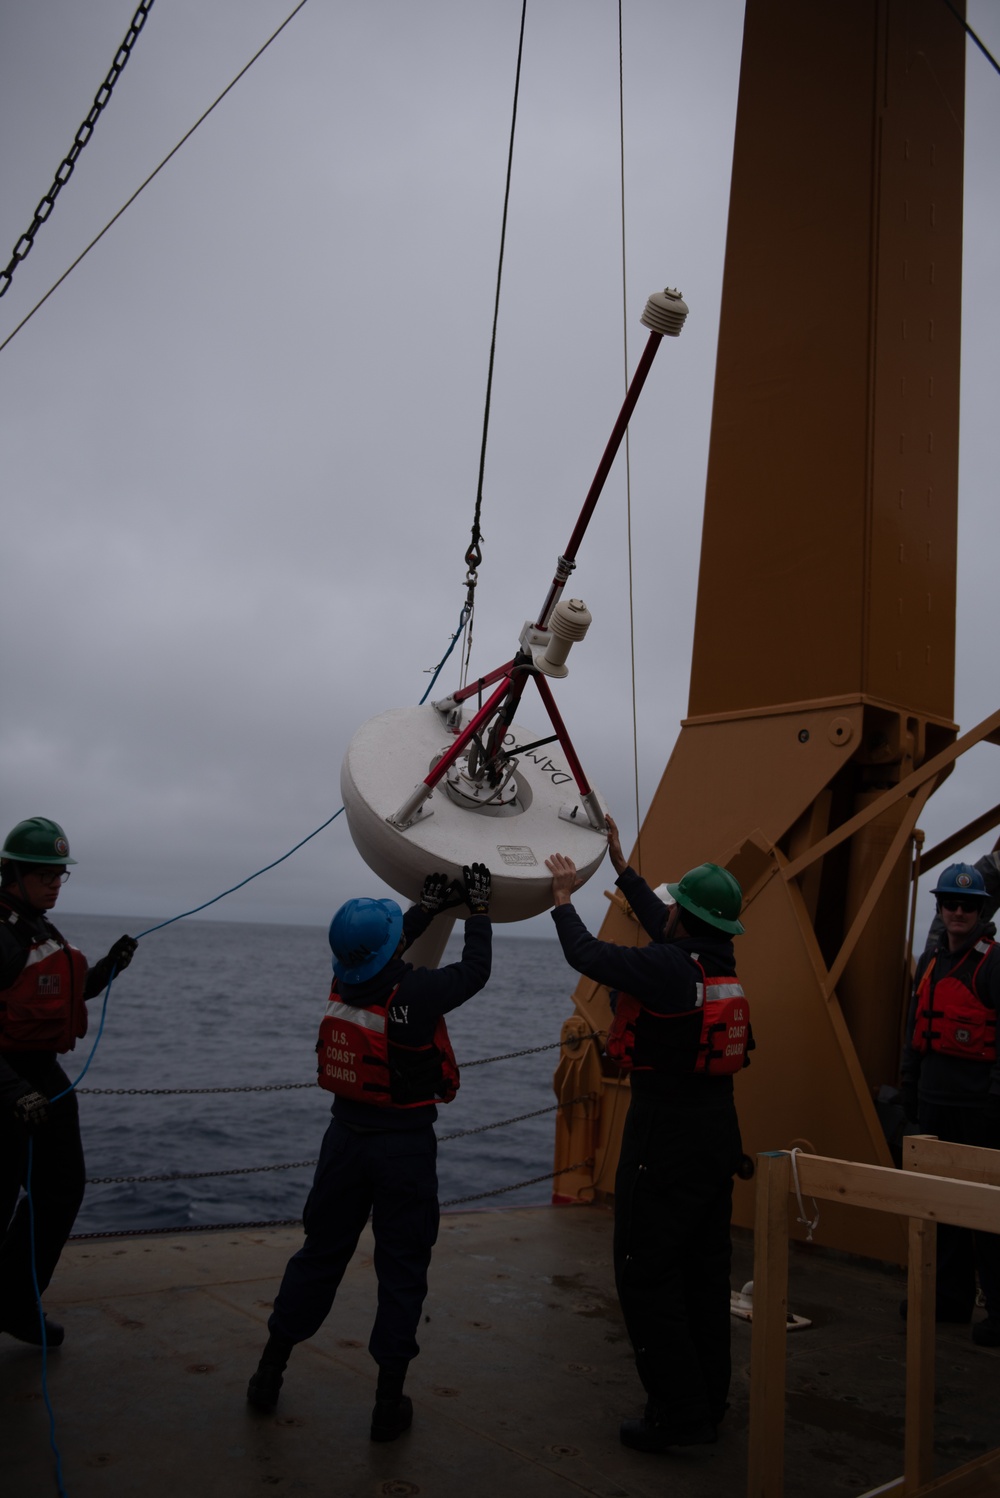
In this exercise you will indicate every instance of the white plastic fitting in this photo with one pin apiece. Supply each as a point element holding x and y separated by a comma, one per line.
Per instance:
<point>569,622</point>
<point>665,313</point>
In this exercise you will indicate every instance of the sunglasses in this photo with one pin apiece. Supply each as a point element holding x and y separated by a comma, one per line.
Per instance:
<point>955,902</point>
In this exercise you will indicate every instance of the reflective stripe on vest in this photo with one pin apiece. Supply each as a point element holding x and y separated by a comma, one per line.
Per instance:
<point>725,1028</point>
<point>44,1008</point>
<point>357,1060</point>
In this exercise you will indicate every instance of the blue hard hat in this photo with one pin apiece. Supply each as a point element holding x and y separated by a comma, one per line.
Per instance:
<point>363,935</point>
<point>961,879</point>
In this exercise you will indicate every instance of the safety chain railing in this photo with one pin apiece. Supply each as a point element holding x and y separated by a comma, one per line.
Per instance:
<point>291,1086</point>
<point>172,1176</point>
<point>245,1170</point>
<point>65,169</point>
<point>292,1222</point>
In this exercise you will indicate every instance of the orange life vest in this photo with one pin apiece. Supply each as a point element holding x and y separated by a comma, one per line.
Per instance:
<point>637,1032</point>
<point>44,1008</point>
<point>950,1016</point>
<point>357,1059</point>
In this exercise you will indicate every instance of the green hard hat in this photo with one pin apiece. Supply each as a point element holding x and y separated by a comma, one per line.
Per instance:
<point>37,840</point>
<point>713,895</point>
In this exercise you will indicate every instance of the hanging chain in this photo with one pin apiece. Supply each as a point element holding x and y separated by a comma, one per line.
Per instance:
<point>65,169</point>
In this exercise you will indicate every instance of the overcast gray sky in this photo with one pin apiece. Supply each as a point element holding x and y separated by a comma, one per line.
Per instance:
<point>241,442</point>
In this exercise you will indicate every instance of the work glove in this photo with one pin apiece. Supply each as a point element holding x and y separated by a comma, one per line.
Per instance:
<point>440,893</point>
<point>478,884</point>
<point>121,953</point>
<point>32,1110</point>
<point>908,1098</point>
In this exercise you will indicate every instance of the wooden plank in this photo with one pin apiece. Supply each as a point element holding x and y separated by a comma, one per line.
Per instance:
<point>766,1453</point>
<point>918,1465</point>
<point>977,1479</point>
<point>906,1193</point>
<point>939,1157</point>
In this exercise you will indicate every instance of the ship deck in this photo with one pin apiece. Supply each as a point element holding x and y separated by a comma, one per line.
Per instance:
<point>525,1372</point>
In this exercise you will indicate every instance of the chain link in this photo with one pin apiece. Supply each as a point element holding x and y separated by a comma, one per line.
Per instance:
<point>193,1175</point>
<point>293,1086</point>
<point>245,1170</point>
<point>65,168</point>
<point>588,1097</point>
<point>457,1201</point>
<point>553,1045</point>
<point>189,1091</point>
<point>291,1222</point>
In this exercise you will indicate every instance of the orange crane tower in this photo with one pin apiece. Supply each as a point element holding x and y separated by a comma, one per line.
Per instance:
<point>821,699</point>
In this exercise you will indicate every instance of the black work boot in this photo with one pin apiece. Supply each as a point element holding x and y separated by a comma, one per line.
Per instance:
<point>391,1417</point>
<point>658,1432</point>
<point>393,1412</point>
<point>262,1390</point>
<point>29,1329</point>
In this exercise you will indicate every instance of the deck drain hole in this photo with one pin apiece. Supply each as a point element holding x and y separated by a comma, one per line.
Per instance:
<point>396,1488</point>
<point>564,1451</point>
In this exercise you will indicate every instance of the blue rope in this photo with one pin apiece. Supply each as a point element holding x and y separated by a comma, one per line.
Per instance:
<point>454,641</point>
<point>72,1087</point>
<point>100,1031</point>
<point>242,882</point>
<point>41,1323</point>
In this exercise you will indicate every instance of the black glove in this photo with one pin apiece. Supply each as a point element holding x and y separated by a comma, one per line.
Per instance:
<point>121,953</point>
<point>32,1110</point>
<point>478,888</point>
<point>440,893</point>
<point>908,1098</point>
<point>993,1108</point>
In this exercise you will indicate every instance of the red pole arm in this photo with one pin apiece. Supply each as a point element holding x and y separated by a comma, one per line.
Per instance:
<point>600,477</point>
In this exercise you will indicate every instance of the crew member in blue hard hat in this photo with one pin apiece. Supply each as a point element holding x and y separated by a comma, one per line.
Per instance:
<point>682,1029</point>
<point>384,1053</point>
<point>44,985</point>
<point>988,868</point>
<point>950,1077</point>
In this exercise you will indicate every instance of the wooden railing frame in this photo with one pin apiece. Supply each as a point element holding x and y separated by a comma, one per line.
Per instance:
<point>940,1182</point>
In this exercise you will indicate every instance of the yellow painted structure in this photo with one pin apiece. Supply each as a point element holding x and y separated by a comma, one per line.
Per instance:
<point>821,700</point>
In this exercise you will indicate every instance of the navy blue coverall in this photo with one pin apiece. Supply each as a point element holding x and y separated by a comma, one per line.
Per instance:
<point>383,1162</point>
<point>680,1149</point>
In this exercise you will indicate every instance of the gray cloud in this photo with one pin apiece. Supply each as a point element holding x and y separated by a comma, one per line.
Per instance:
<point>241,442</point>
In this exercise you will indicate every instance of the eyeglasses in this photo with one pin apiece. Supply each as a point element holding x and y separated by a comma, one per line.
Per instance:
<point>51,876</point>
<point>957,903</point>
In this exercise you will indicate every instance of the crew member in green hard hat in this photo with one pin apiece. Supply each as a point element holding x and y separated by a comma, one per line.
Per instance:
<point>682,1030</point>
<point>44,985</point>
<point>950,1074</point>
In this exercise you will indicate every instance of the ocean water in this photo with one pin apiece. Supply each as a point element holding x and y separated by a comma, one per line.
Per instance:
<point>227,1005</point>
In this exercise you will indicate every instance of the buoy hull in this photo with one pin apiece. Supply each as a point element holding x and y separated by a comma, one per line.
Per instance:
<point>392,753</point>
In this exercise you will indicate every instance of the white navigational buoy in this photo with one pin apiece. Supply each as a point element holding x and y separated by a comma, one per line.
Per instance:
<point>511,827</point>
<point>432,788</point>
